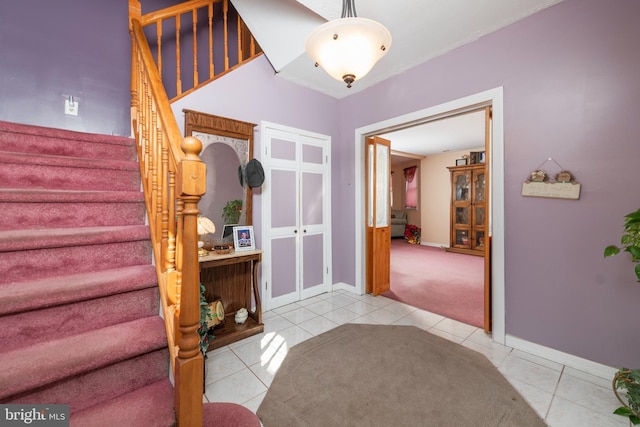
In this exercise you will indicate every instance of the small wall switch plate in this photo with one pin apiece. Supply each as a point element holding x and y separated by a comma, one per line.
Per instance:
<point>71,108</point>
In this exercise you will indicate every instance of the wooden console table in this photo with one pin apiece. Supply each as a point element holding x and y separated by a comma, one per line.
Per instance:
<point>233,279</point>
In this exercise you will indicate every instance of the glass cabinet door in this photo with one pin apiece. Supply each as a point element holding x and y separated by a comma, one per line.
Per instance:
<point>478,240</point>
<point>479,204</point>
<point>462,214</point>
<point>479,187</point>
<point>462,187</point>
<point>468,209</point>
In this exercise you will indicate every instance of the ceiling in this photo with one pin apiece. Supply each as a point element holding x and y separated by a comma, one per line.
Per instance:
<point>420,30</point>
<point>456,133</point>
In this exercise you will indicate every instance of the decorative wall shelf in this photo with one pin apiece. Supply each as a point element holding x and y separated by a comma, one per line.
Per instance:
<point>554,190</point>
<point>540,185</point>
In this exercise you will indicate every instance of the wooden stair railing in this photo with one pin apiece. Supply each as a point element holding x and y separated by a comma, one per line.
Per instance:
<point>174,179</point>
<point>209,21</point>
<point>173,176</point>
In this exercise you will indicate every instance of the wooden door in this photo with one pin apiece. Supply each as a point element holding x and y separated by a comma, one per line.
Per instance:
<point>378,235</point>
<point>486,224</point>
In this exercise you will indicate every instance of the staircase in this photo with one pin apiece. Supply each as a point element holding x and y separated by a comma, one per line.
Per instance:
<point>79,303</point>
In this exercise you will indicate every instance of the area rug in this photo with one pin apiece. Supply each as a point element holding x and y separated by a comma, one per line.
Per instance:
<point>379,375</point>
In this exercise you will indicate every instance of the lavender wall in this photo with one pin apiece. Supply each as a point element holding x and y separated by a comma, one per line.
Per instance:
<point>571,91</point>
<point>252,93</point>
<point>67,47</point>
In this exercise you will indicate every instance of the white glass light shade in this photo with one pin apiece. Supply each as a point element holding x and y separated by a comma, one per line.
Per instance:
<point>205,225</point>
<point>347,48</point>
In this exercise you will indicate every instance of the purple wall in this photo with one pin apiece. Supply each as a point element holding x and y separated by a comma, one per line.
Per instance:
<point>571,91</point>
<point>253,94</point>
<point>52,49</point>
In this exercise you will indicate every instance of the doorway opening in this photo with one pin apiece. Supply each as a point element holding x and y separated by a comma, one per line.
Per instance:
<point>444,273</point>
<point>493,98</point>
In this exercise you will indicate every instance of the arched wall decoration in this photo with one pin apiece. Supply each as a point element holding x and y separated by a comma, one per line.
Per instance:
<point>238,135</point>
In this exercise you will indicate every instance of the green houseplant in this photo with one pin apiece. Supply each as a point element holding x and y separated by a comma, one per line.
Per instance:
<point>629,242</point>
<point>628,380</point>
<point>206,314</point>
<point>231,211</point>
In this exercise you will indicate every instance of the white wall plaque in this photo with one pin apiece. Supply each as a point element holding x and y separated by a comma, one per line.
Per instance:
<point>554,190</point>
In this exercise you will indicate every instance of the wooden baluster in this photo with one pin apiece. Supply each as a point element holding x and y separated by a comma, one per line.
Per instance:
<point>177,291</point>
<point>145,127</point>
<point>164,208</point>
<point>160,195</point>
<point>178,75</point>
<point>211,66</point>
<point>239,31</point>
<point>155,194</point>
<point>225,13</point>
<point>252,46</point>
<point>159,45</point>
<point>190,363</point>
<point>173,218</point>
<point>194,15</point>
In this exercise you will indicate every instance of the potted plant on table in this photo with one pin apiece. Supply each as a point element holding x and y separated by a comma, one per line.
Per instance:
<point>628,380</point>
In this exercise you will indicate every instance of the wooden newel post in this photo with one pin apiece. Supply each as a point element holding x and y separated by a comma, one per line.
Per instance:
<point>189,367</point>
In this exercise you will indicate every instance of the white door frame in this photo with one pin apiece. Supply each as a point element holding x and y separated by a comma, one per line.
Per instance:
<point>493,97</point>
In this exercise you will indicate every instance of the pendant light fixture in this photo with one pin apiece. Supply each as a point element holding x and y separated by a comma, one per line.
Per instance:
<point>347,48</point>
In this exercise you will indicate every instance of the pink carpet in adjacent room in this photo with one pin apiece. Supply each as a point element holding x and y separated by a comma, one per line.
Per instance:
<point>445,283</point>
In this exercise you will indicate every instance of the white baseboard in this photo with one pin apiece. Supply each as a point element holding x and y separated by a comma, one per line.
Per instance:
<point>434,245</point>
<point>575,362</point>
<point>341,286</point>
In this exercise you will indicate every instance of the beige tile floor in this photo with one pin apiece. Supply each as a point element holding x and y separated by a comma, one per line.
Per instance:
<point>242,372</point>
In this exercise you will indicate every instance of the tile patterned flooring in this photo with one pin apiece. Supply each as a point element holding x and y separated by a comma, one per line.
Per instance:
<point>242,372</point>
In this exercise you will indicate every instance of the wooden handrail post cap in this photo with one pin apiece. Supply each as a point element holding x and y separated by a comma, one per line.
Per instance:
<point>192,174</point>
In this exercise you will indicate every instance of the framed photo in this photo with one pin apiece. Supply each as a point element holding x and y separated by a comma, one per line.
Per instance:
<point>461,162</point>
<point>243,239</point>
<point>476,157</point>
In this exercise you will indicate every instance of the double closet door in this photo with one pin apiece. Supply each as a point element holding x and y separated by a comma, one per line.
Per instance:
<point>296,215</point>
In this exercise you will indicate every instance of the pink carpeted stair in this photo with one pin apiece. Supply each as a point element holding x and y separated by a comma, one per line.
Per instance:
<point>79,305</point>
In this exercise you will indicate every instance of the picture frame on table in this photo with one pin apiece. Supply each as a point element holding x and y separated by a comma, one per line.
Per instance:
<point>243,238</point>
